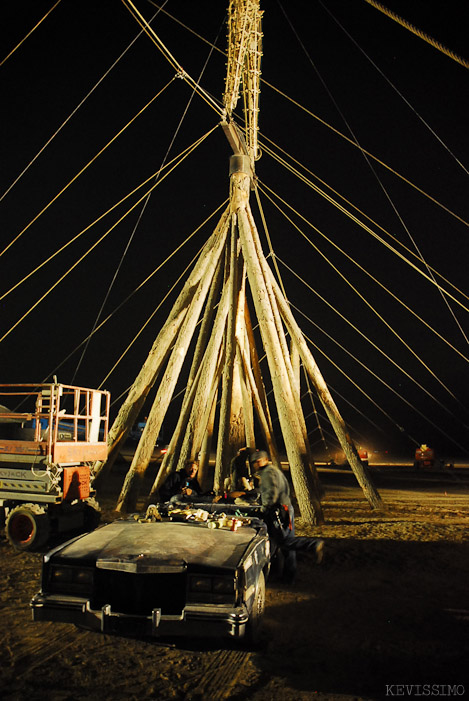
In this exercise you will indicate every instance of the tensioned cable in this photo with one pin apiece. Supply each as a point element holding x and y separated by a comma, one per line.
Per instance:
<point>179,158</point>
<point>332,442</point>
<point>432,423</point>
<point>317,189</point>
<point>274,260</point>
<point>375,158</point>
<point>294,102</point>
<point>80,172</point>
<point>329,126</point>
<point>396,90</point>
<point>313,403</point>
<point>375,235</point>
<point>375,174</point>
<point>149,31</point>
<point>139,287</point>
<point>349,425</point>
<point>363,365</point>
<point>384,322</point>
<point>124,353</point>
<point>358,265</point>
<point>29,33</point>
<point>376,281</point>
<point>83,257</point>
<point>388,291</point>
<point>418,32</point>
<point>361,390</point>
<point>142,211</point>
<point>334,103</point>
<point>80,104</point>
<point>374,345</point>
<point>267,234</point>
<point>370,165</point>
<point>185,26</point>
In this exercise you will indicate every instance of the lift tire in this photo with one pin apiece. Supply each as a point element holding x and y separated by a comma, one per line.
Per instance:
<point>91,514</point>
<point>27,527</point>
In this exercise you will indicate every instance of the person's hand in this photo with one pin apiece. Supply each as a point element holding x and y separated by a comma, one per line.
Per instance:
<point>187,491</point>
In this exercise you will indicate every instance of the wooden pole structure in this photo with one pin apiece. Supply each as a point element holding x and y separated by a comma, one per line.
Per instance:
<point>231,434</point>
<point>311,473</point>
<point>295,363</point>
<point>141,459</point>
<point>308,501</point>
<point>264,420</point>
<point>205,477</point>
<point>204,385</point>
<point>362,474</point>
<point>206,326</point>
<point>146,378</point>
<point>247,403</point>
<point>225,353</point>
<point>171,458</point>
<point>257,375</point>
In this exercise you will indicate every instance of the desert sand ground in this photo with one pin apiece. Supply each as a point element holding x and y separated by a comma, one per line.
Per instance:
<point>386,614</point>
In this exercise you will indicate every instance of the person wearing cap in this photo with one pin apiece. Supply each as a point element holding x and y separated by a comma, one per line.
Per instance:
<point>280,516</point>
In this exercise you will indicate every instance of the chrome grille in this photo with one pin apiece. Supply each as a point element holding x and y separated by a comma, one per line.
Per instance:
<point>138,594</point>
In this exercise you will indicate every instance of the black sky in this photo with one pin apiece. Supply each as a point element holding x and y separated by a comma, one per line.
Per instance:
<point>307,45</point>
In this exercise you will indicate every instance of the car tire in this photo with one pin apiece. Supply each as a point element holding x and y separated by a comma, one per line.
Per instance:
<point>256,617</point>
<point>91,514</point>
<point>27,527</point>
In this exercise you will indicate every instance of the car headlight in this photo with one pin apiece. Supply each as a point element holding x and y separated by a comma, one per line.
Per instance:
<point>201,584</point>
<point>223,585</point>
<point>73,580</point>
<point>216,590</point>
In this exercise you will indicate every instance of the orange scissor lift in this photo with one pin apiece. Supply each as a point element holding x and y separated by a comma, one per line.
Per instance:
<point>50,436</point>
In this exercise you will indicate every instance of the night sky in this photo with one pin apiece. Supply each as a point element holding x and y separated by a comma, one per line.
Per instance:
<point>331,57</point>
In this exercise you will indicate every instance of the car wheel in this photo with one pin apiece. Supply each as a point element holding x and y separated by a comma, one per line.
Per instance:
<point>254,625</point>
<point>27,526</point>
<point>91,514</point>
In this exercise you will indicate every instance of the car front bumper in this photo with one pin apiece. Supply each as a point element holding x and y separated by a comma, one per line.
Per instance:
<point>201,620</point>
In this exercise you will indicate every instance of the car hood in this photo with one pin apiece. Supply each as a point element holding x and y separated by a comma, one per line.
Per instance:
<point>155,547</point>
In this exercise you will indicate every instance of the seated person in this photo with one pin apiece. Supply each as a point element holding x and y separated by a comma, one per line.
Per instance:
<point>240,484</point>
<point>182,485</point>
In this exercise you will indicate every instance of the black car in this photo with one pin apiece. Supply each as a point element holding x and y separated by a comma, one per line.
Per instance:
<point>190,573</point>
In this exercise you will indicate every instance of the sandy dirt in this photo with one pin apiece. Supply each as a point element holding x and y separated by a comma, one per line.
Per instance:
<point>386,614</point>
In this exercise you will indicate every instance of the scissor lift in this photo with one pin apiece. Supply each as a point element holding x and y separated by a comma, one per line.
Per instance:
<point>50,436</point>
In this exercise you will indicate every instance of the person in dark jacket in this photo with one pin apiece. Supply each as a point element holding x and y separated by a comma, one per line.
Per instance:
<point>240,473</point>
<point>182,484</point>
<point>280,517</point>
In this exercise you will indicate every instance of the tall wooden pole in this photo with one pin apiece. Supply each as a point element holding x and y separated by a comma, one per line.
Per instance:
<point>264,421</point>
<point>308,502</point>
<point>204,386</point>
<point>146,378</point>
<point>256,371</point>
<point>362,474</point>
<point>206,477</point>
<point>311,474</point>
<point>231,435</point>
<point>171,458</point>
<point>165,391</point>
